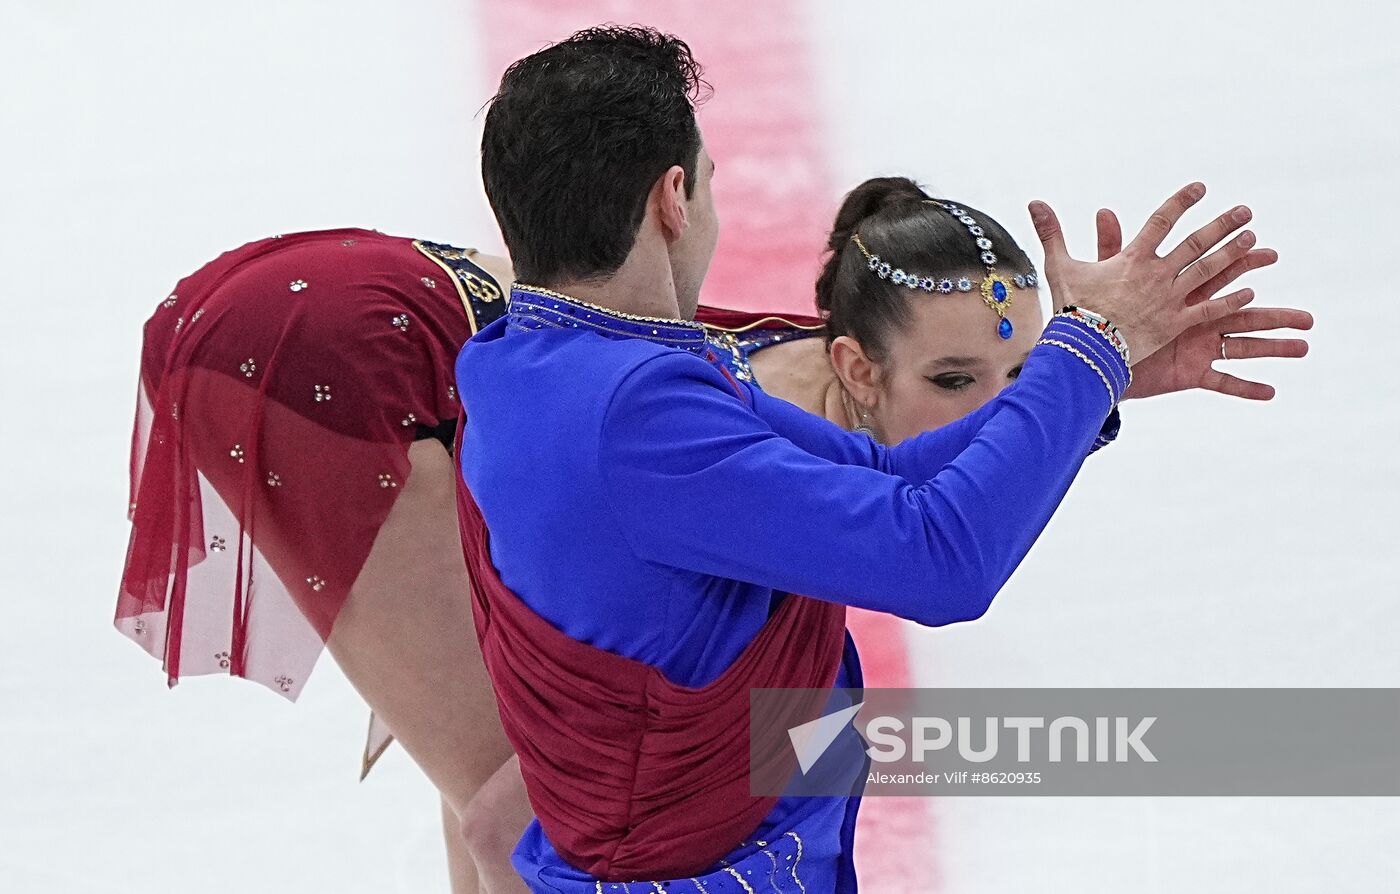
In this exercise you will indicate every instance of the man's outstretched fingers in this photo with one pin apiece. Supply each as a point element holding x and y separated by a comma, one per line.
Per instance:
<point>1245,347</point>
<point>1256,258</point>
<point>1164,218</point>
<point>1217,308</point>
<point>1110,234</point>
<point>1263,319</point>
<point>1213,264</point>
<point>1047,227</point>
<point>1233,386</point>
<point>1195,246</point>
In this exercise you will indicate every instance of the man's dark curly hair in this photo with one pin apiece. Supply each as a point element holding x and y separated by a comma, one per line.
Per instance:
<point>575,138</point>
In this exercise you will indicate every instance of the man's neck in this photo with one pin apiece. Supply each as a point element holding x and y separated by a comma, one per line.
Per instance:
<point>641,289</point>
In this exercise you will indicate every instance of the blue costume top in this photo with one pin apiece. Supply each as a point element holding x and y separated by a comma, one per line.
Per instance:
<point>639,506</point>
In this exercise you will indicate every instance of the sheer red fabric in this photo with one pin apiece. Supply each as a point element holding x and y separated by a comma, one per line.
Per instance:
<point>281,386</point>
<point>630,774</point>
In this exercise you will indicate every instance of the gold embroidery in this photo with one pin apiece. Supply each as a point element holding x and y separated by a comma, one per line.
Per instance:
<point>480,288</point>
<point>670,321</point>
<point>731,342</point>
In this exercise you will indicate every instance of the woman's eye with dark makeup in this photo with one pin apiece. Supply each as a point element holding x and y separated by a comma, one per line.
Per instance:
<point>951,381</point>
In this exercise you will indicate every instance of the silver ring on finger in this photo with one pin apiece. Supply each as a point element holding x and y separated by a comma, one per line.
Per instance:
<point>1223,355</point>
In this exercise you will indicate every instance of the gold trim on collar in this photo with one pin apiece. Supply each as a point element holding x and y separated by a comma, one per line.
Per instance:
<point>669,321</point>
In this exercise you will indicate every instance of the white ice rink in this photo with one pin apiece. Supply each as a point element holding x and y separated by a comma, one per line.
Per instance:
<point>1241,544</point>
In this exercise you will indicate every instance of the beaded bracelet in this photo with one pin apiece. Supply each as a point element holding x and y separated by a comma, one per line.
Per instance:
<point>1100,324</point>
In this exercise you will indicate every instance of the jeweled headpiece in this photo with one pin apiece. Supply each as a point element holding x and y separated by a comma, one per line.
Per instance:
<point>995,288</point>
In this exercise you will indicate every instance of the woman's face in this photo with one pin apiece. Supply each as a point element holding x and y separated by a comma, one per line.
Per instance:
<point>948,362</point>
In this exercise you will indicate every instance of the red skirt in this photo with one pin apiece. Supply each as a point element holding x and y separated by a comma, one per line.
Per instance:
<point>281,386</point>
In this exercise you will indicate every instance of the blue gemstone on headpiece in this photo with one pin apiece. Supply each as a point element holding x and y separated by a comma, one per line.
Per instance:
<point>976,231</point>
<point>999,290</point>
<point>988,258</point>
<point>945,286</point>
<point>984,243</point>
<point>964,285</point>
<point>884,270</point>
<point>874,262</point>
<point>1020,281</point>
<point>1004,328</point>
<point>967,219</point>
<point>1031,279</point>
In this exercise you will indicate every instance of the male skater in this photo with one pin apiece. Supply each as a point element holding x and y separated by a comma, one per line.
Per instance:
<point>649,515</point>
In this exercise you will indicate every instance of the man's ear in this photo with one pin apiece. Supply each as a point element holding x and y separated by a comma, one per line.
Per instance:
<point>855,369</point>
<point>669,196</point>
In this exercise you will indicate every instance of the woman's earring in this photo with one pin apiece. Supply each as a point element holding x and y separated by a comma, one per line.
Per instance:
<point>864,425</point>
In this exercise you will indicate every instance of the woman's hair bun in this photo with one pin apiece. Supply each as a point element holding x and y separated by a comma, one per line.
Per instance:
<point>866,200</point>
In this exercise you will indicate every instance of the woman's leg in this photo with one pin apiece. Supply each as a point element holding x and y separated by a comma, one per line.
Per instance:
<point>493,823</point>
<point>406,641</point>
<point>461,870</point>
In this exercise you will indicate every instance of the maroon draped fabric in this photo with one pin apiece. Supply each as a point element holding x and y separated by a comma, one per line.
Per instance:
<point>734,320</point>
<point>630,774</point>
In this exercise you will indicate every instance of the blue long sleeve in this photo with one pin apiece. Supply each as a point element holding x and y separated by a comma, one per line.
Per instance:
<point>831,514</point>
<point>915,460</point>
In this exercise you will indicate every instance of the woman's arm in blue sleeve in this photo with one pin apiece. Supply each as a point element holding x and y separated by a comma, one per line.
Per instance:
<point>915,463</point>
<point>698,481</point>
<point>915,460</point>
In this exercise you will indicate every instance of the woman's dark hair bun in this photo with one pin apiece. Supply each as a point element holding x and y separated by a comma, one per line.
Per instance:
<point>871,197</point>
<point>908,231</point>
